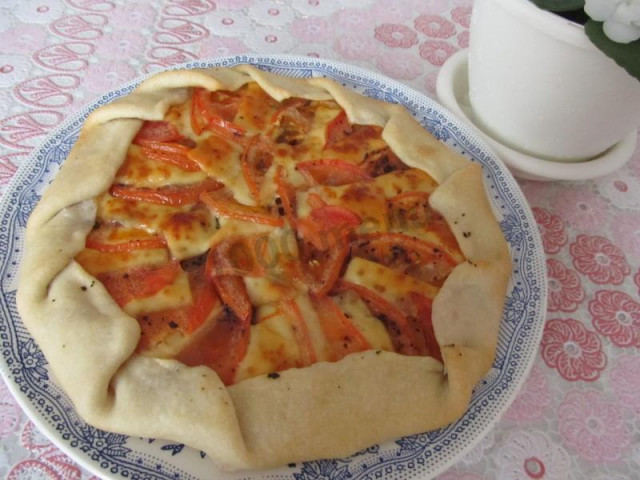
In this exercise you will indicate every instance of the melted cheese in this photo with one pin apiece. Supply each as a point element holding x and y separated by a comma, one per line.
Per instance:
<point>188,230</point>
<point>277,283</point>
<point>365,199</point>
<point>316,136</point>
<point>311,148</point>
<point>180,116</point>
<point>191,230</point>
<point>370,326</point>
<point>368,199</point>
<point>321,346</point>
<point>143,172</point>
<point>395,287</point>
<point>96,262</point>
<point>189,234</point>
<point>255,109</point>
<point>129,213</point>
<point>273,345</point>
<point>269,189</point>
<point>221,159</point>
<point>176,295</point>
<point>232,228</point>
<point>263,290</point>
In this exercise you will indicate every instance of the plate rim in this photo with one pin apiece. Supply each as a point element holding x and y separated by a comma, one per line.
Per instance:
<point>287,60</point>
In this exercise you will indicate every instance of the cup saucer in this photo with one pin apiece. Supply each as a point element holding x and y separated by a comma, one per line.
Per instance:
<point>452,88</point>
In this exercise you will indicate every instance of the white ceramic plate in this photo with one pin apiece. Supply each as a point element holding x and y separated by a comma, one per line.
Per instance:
<point>453,93</point>
<point>419,456</point>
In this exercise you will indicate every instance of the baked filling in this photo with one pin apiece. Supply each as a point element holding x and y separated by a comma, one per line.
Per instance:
<point>253,236</point>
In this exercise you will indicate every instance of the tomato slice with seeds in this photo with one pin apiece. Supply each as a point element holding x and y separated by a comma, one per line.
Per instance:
<point>382,161</point>
<point>239,255</point>
<point>286,195</point>
<point>155,325</point>
<point>111,238</point>
<point>221,347</point>
<point>321,269</point>
<point>125,286</point>
<point>157,131</point>
<point>292,121</point>
<point>257,158</point>
<point>411,210</point>
<point>327,225</point>
<point>418,258</point>
<point>343,337</point>
<point>406,339</point>
<point>423,306</point>
<point>205,299</point>
<point>234,295</point>
<point>215,111</point>
<point>332,172</point>
<point>172,153</point>
<point>292,312</point>
<point>223,204</point>
<point>175,195</point>
<point>342,136</point>
<point>337,129</point>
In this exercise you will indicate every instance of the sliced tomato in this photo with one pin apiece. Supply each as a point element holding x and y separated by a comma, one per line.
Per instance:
<point>292,121</point>
<point>173,195</point>
<point>257,158</point>
<point>342,136</point>
<point>215,111</point>
<point>156,326</point>
<point>423,307</point>
<point>238,255</point>
<point>343,337</point>
<point>205,299</point>
<point>337,129</point>
<point>157,131</point>
<point>172,153</point>
<point>286,195</point>
<point>381,161</point>
<point>406,339</point>
<point>327,225</point>
<point>315,201</point>
<point>224,205</point>
<point>321,269</point>
<point>125,286</point>
<point>221,347</point>
<point>113,238</point>
<point>233,294</point>
<point>411,210</point>
<point>418,258</point>
<point>307,353</point>
<point>335,216</point>
<point>332,171</point>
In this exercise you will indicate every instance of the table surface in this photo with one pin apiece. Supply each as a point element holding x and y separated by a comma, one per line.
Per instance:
<point>578,414</point>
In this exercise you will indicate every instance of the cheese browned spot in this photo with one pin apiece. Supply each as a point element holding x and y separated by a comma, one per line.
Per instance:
<point>141,171</point>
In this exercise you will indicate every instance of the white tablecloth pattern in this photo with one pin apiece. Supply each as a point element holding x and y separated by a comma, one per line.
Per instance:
<point>578,415</point>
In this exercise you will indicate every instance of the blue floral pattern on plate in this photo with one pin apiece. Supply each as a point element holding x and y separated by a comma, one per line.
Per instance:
<point>118,456</point>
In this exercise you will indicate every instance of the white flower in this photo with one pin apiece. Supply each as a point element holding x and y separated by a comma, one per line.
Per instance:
<point>621,18</point>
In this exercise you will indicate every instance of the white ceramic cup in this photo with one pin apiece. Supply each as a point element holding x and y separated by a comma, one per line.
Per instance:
<point>538,85</point>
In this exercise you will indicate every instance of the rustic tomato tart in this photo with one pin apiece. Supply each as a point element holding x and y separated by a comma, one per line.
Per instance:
<point>267,269</point>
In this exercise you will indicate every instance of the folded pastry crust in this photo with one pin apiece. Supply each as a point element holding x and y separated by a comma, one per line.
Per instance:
<point>325,410</point>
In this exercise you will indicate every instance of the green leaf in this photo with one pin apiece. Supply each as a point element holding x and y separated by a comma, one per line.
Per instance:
<point>559,5</point>
<point>627,55</point>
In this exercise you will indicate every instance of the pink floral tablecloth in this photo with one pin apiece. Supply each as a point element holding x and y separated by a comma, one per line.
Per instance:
<point>578,414</point>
